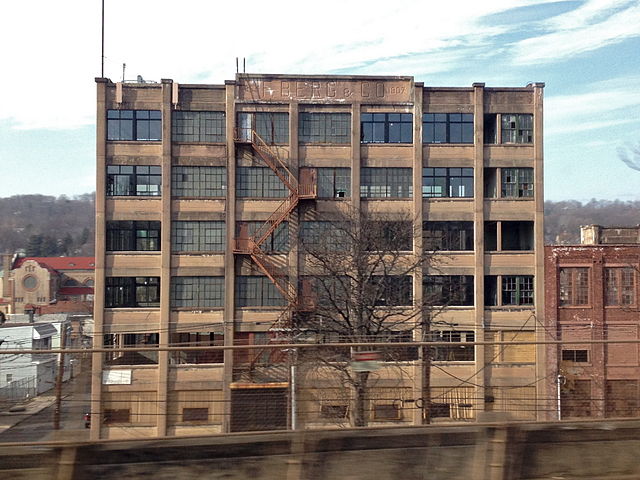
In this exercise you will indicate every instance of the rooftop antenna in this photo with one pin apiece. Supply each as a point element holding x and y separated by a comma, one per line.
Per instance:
<point>102,56</point>
<point>124,66</point>
<point>244,64</point>
<point>237,70</point>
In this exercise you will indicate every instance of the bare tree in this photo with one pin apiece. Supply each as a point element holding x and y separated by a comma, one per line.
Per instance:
<point>357,285</point>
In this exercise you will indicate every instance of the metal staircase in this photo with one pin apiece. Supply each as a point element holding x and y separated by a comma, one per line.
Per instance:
<point>251,245</point>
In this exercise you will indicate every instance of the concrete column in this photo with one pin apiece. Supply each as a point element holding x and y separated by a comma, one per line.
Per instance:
<point>229,261</point>
<point>478,218</point>
<point>419,373</point>
<point>165,261</point>
<point>355,155</point>
<point>538,153</point>
<point>98,302</point>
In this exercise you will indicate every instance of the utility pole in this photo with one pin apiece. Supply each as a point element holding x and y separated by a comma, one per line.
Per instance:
<point>59,377</point>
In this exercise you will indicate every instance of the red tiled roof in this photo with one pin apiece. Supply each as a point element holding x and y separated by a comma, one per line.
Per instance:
<point>61,263</point>
<point>67,306</point>
<point>75,291</point>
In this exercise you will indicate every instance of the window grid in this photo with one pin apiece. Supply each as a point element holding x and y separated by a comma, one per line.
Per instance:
<point>132,292</point>
<point>449,290</point>
<point>386,183</point>
<point>517,290</point>
<point>619,286</point>
<point>460,353</point>
<point>139,125</point>
<point>386,127</point>
<point>257,291</point>
<point>259,182</point>
<point>197,292</point>
<point>334,182</point>
<point>129,180</point>
<point>133,236</point>
<point>450,236</point>
<point>198,236</point>
<point>325,127</point>
<point>199,181</point>
<point>198,127</point>
<point>447,128</point>
<point>517,182</point>
<point>574,286</point>
<point>447,182</point>
<point>517,128</point>
<point>278,241</point>
<point>273,127</point>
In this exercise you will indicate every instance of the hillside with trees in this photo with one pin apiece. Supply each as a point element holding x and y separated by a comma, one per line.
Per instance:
<point>43,225</point>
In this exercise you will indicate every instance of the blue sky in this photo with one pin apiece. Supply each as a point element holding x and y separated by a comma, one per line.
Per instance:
<point>587,52</point>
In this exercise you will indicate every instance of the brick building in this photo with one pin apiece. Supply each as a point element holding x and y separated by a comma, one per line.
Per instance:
<point>591,293</point>
<point>184,171</point>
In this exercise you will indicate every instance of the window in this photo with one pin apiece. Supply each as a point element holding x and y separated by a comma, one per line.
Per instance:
<point>451,236</point>
<point>517,235</point>
<point>197,292</point>
<point>324,236</point>
<point>195,414</point>
<point>621,398</point>
<point>575,356</point>
<point>439,410</point>
<point>120,415</point>
<point>325,127</point>
<point>259,182</point>
<point>447,182</point>
<point>278,241</point>
<point>132,292</point>
<point>517,128</point>
<point>386,127</point>
<point>517,290</point>
<point>198,127</point>
<point>139,125</point>
<point>390,236</point>
<point>333,411</point>
<point>272,127</point>
<point>386,411</point>
<point>447,128</point>
<point>574,286</point>
<point>197,339</point>
<point>131,340</point>
<point>257,291</point>
<point>517,182</point>
<point>449,290</point>
<point>196,236</point>
<point>334,182</point>
<point>454,353</point>
<point>199,181</point>
<point>133,236</point>
<point>30,282</point>
<point>391,290</point>
<point>41,343</point>
<point>128,180</point>
<point>386,183</point>
<point>620,286</point>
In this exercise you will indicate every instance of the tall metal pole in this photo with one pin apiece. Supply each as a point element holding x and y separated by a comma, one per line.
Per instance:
<point>102,56</point>
<point>59,377</point>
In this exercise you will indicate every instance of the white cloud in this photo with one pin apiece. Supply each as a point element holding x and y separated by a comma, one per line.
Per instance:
<point>596,24</point>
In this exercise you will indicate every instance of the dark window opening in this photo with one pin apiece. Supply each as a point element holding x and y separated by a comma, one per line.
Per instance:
<point>131,340</point>
<point>195,414</point>
<point>447,182</point>
<point>490,236</point>
<point>141,125</point>
<point>333,411</point>
<point>447,128</point>
<point>386,411</point>
<point>490,183</point>
<point>133,236</point>
<point>517,128</point>
<point>334,182</point>
<point>517,182</point>
<point>620,286</point>
<point>490,128</point>
<point>386,127</point>
<point>120,415</point>
<point>388,236</point>
<point>197,339</point>
<point>517,235</point>
<point>575,356</point>
<point>391,290</point>
<point>459,353</point>
<point>440,410</point>
<point>136,292</point>
<point>517,290</point>
<point>448,290</point>
<point>140,180</point>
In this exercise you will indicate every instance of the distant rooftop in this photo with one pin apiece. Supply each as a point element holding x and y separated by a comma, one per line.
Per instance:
<point>599,235</point>
<point>61,263</point>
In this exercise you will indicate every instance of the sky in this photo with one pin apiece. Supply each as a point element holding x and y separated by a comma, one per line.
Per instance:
<point>587,52</point>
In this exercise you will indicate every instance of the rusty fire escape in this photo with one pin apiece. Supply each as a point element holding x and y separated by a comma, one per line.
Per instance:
<point>251,244</point>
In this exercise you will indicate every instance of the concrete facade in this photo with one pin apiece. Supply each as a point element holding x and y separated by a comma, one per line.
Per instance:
<point>487,173</point>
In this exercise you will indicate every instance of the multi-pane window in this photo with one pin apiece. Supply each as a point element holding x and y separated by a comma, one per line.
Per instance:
<point>391,290</point>
<point>197,339</point>
<point>198,236</point>
<point>389,236</point>
<point>133,236</point>
<point>197,292</point>
<point>324,236</point>
<point>447,128</point>
<point>259,182</point>
<point>574,286</point>
<point>198,127</point>
<point>517,290</point>
<point>517,128</point>
<point>198,181</point>
<point>139,125</point>
<point>575,355</point>
<point>454,353</point>
<point>257,291</point>
<point>334,182</point>
<point>130,180</point>
<point>448,290</point>
<point>620,286</point>
<point>272,127</point>
<point>277,241</point>
<point>386,182</point>
<point>517,182</point>
<point>447,182</point>
<point>386,127</point>
<point>325,127</point>
<point>132,292</point>
<point>452,236</point>
<point>131,340</point>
